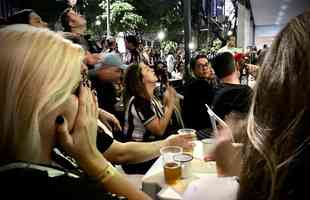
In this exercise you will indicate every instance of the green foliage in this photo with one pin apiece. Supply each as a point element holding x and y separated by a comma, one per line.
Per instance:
<point>161,14</point>
<point>123,17</point>
<point>168,46</point>
<point>216,45</point>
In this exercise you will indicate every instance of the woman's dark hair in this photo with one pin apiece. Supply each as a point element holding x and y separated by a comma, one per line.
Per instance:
<point>65,20</point>
<point>21,17</point>
<point>133,82</point>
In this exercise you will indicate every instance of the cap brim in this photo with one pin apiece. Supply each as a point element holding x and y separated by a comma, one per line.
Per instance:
<point>123,66</point>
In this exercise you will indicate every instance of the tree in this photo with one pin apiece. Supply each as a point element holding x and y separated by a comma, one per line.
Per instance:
<point>123,17</point>
<point>161,15</point>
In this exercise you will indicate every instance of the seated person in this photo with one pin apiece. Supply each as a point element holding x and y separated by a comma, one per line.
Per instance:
<point>229,95</point>
<point>146,119</point>
<point>27,16</point>
<point>104,77</point>
<point>44,103</point>
<point>74,23</point>
<point>198,93</point>
<point>125,152</point>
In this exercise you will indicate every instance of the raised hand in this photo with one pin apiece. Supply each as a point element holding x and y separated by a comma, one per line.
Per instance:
<point>80,143</point>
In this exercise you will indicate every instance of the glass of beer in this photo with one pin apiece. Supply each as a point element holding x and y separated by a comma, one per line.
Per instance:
<point>172,168</point>
<point>187,131</point>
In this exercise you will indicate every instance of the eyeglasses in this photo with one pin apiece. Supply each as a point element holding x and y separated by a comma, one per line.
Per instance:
<point>202,65</point>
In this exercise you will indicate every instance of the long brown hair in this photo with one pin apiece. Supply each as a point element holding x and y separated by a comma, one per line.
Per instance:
<point>277,127</point>
<point>133,82</point>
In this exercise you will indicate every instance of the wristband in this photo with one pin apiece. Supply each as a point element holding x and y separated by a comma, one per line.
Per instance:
<point>106,174</point>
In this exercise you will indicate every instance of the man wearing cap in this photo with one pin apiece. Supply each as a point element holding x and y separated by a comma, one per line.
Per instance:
<point>106,73</point>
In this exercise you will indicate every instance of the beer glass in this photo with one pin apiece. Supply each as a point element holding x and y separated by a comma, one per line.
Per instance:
<point>172,168</point>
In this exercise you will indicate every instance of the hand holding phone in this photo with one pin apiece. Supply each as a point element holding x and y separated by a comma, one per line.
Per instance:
<point>214,118</point>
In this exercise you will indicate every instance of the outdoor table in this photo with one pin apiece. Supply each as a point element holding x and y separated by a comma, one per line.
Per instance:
<point>153,182</point>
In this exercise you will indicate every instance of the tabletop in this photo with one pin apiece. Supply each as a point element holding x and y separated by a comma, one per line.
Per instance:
<point>153,182</point>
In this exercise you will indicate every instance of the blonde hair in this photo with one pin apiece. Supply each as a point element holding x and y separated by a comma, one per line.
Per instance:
<point>39,70</point>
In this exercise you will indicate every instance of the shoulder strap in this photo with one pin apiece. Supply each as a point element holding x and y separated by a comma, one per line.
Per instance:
<point>52,172</point>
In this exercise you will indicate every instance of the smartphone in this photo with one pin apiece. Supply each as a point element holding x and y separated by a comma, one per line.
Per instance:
<point>214,118</point>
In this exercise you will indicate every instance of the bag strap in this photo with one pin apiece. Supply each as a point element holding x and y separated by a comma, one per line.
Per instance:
<point>52,172</point>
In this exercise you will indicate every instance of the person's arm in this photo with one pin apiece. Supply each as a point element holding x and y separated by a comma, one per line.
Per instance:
<point>253,69</point>
<point>158,125</point>
<point>136,152</point>
<point>226,154</point>
<point>80,143</point>
<point>111,179</point>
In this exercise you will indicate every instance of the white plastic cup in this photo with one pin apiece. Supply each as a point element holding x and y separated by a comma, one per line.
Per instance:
<point>208,145</point>
<point>187,131</point>
<point>185,160</point>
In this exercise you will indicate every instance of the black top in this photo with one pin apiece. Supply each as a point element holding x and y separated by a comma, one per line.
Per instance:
<point>231,97</point>
<point>104,141</point>
<point>197,94</point>
<point>31,181</point>
<point>106,93</point>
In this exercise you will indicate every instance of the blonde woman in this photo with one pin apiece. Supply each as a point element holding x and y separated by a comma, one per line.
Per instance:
<point>43,103</point>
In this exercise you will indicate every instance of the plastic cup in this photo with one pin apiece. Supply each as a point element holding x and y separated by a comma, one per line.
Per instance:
<point>185,160</point>
<point>187,131</point>
<point>208,145</point>
<point>172,168</point>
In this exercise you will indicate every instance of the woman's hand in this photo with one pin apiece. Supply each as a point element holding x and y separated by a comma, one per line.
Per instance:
<point>110,119</point>
<point>169,96</point>
<point>226,154</point>
<point>80,143</point>
<point>184,140</point>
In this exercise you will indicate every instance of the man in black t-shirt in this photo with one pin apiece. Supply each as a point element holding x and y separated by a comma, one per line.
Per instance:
<point>230,95</point>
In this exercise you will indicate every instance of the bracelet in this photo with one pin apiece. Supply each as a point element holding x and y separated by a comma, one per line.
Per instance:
<point>106,174</point>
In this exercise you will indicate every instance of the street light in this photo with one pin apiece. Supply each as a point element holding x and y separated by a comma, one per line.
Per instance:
<point>161,35</point>
<point>98,22</point>
<point>230,33</point>
<point>191,45</point>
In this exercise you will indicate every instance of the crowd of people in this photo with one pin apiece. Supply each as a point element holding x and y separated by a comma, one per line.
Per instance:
<point>71,110</point>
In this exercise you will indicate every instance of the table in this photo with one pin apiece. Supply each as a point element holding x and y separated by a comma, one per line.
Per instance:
<point>153,182</point>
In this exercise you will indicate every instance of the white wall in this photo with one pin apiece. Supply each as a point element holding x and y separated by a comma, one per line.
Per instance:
<point>245,28</point>
<point>265,34</point>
